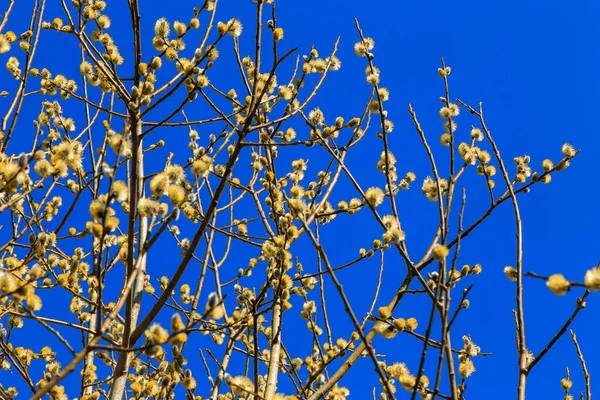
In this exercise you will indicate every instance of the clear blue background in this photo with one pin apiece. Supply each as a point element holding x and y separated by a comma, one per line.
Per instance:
<point>533,64</point>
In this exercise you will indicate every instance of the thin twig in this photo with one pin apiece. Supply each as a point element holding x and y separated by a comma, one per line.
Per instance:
<point>586,374</point>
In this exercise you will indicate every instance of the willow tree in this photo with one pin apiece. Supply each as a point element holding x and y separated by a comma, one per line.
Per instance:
<point>112,225</point>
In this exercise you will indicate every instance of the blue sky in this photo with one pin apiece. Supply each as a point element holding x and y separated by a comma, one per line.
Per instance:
<point>532,64</point>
